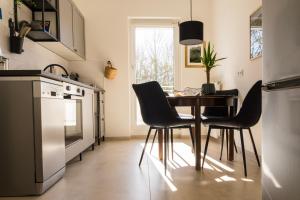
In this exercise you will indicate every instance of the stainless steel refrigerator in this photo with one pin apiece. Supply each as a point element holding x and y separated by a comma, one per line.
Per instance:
<point>281,101</point>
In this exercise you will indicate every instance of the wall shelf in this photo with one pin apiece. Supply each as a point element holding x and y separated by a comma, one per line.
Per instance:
<point>45,11</point>
<point>41,35</point>
<point>37,5</point>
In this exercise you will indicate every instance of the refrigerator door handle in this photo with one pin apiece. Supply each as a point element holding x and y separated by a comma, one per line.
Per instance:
<point>283,84</point>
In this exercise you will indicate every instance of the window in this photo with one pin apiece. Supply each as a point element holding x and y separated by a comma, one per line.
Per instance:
<point>154,56</point>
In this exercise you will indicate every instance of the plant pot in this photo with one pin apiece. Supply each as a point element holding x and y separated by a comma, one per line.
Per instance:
<point>208,88</point>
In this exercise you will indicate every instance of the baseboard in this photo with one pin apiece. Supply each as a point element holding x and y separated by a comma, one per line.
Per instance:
<point>176,136</point>
<point>123,138</point>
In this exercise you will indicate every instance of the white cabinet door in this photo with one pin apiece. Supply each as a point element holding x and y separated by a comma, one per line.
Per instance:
<point>66,23</point>
<point>88,117</point>
<point>78,33</point>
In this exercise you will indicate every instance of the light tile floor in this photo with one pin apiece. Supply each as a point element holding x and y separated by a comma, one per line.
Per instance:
<point>111,172</point>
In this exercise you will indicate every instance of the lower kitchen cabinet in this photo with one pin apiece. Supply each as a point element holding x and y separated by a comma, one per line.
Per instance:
<point>99,115</point>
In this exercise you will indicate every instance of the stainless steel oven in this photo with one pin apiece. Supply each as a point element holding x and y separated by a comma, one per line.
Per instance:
<point>73,97</point>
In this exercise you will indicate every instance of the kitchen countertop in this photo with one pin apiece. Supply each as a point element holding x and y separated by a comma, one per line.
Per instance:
<point>41,73</point>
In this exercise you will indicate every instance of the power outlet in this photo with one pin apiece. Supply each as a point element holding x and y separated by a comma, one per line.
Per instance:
<point>240,73</point>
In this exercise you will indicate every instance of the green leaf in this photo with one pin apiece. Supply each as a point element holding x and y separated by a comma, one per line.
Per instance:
<point>209,58</point>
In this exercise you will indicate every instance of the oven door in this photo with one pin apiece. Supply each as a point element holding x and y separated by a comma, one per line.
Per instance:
<point>73,120</point>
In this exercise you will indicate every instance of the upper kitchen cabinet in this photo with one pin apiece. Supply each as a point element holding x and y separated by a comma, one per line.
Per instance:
<point>78,32</point>
<point>66,23</point>
<point>62,26</point>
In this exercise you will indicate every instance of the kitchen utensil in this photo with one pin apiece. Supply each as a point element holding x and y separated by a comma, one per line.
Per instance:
<point>24,30</point>
<point>11,27</point>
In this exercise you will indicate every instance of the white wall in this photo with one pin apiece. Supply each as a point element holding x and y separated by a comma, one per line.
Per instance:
<point>232,40</point>
<point>107,33</point>
<point>34,57</point>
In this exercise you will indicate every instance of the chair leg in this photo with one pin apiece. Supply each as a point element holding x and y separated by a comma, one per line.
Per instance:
<point>166,132</point>
<point>222,145</point>
<point>235,146</point>
<point>227,143</point>
<point>192,137</point>
<point>147,138</point>
<point>206,145</point>
<point>153,140</point>
<point>243,151</point>
<point>172,147</point>
<point>254,147</point>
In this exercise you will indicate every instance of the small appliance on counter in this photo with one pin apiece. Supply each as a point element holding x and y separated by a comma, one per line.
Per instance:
<point>53,70</point>
<point>4,63</point>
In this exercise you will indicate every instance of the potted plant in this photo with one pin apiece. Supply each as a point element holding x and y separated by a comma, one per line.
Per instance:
<point>209,60</point>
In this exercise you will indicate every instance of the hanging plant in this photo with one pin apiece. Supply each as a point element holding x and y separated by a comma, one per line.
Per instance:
<point>20,2</point>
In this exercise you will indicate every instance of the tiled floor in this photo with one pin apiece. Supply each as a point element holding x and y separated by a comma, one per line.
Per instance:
<point>111,172</point>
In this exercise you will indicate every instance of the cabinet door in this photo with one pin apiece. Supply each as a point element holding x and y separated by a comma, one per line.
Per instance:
<point>78,33</point>
<point>88,118</point>
<point>66,25</point>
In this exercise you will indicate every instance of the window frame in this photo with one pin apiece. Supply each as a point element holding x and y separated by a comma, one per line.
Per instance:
<point>140,22</point>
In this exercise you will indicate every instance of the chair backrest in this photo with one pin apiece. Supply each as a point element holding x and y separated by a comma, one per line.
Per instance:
<point>155,108</point>
<point>250,111</point>
<point>220,111</point>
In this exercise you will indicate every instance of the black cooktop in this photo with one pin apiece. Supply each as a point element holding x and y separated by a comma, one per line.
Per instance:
<point>41,73</point>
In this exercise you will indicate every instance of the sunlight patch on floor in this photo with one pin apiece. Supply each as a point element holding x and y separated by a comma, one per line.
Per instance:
<point>183,156</point>
<point>247,180</point>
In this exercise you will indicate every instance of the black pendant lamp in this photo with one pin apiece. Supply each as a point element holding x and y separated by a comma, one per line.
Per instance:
<point>191,32</point>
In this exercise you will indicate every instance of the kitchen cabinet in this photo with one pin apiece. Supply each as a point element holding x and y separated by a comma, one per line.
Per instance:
<point>71,43</point>
<point>88,117</point>
<point>78,33</point>
<point>66,27</point>
<point>99,115</point>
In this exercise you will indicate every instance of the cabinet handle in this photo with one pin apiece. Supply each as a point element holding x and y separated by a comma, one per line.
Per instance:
<point>75,50</point>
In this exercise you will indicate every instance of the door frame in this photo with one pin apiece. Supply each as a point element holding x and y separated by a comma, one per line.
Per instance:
<point>147,22</point>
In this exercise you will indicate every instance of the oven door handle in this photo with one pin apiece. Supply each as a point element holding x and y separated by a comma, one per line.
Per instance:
<point>73,97</point>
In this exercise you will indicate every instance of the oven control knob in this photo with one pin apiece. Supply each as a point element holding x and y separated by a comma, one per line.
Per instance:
<point>68,88</point>
<point>78,90</point>
<point>83,92</point>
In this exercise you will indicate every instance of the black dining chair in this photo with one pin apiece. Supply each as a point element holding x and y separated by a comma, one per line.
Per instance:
<point>247,117</point>
<point>157,113</point>
<point>189,127</point>
<point>221,112</point>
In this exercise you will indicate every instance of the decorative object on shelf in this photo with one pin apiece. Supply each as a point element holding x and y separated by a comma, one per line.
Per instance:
<point>38,25</point>
<point>209,60</point>
<point>193,56</point>
<point>20,2</point>
<point>16,42</point>
<point>191,32</point>
<point>256,34</point>
<point>110,72</point>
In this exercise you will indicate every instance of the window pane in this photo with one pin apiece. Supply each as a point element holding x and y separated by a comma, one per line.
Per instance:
<point>154,55</point>
<point>154,59</point>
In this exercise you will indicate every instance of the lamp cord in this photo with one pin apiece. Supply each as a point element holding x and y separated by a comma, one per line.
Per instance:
<point>191,9</point>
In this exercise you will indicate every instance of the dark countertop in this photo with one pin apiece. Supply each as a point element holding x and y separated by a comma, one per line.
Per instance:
<point>41,73</point>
